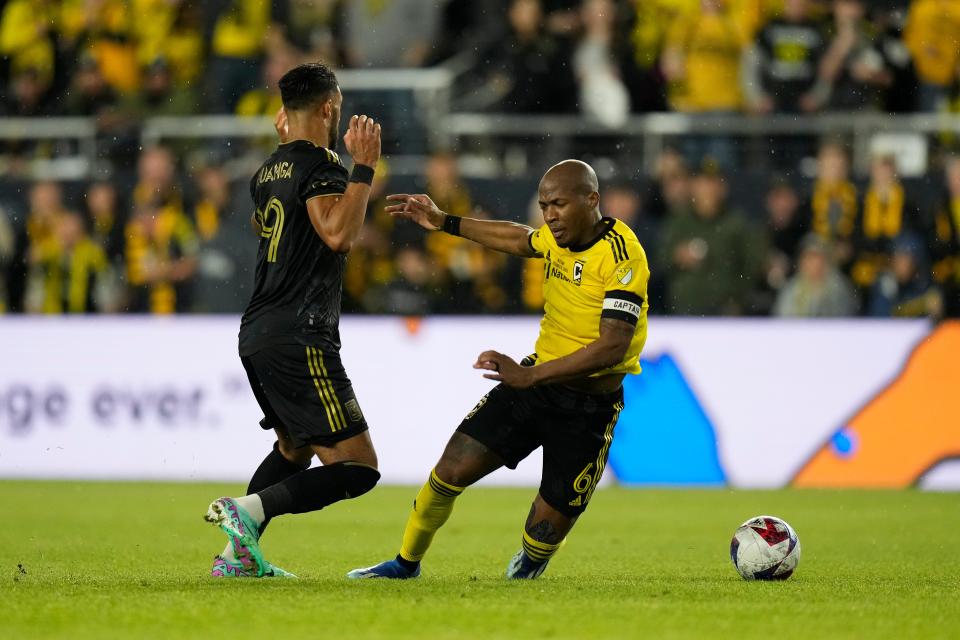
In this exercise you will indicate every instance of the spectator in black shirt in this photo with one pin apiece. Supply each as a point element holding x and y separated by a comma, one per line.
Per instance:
<point>527,71</point>
<point>905,288</point>
<point>784,230</point>
<point>28,95</point>
<point>105,218</point>
<point>89,94</point>
<point>781,67</point>
<point>853,73</point>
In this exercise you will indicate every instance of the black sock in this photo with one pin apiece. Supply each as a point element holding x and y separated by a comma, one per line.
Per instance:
<point>313,489</point>
<point>274,468</point>
<point>409,565</point>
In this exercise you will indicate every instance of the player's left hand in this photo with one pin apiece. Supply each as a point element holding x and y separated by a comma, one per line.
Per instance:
<point>505,368</point>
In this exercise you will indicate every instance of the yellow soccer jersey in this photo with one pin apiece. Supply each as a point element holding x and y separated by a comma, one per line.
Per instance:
<point>605,279</point>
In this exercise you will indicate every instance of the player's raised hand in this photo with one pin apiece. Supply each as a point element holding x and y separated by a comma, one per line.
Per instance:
<point>505,368</point>
<point>363,140</point>
<point>282,125</point>
<point>419,208</point>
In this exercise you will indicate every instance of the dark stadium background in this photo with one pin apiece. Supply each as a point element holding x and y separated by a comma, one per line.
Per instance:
<point>476,100</point>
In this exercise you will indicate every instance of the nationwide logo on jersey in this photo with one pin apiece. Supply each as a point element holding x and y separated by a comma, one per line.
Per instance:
<point>577,272</point>
<point>557,269</point>
<point>624,275</point>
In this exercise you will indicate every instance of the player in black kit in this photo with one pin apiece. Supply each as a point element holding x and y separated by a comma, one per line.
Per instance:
<point>309,212</point>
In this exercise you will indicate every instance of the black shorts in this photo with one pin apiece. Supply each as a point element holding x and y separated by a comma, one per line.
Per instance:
<point>305,391</point>
<point>574,428</point>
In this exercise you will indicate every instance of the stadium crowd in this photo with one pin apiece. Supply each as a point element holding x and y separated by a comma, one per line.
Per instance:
<point>166,228</point>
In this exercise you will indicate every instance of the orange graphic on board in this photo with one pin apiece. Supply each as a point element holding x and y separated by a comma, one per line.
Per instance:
<point>905,430</point>
<point>413,324</point>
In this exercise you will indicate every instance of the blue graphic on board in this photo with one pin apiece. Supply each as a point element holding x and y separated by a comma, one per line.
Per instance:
<point>844,443</point>
<point>663,435</point>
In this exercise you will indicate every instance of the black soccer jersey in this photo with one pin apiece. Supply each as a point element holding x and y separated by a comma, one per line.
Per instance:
<point>296,295</point>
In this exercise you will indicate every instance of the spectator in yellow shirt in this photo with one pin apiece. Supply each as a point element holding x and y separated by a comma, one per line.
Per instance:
<point>933,38</point>
<point>886,212</point>
<point>172,31</point>
<point>68,270</point>
<point>238,43</point>
<point>26,37</point>
<point>701,60</point>
<point>104,30</point>
<point>161,256</point>
<point>834,204</point>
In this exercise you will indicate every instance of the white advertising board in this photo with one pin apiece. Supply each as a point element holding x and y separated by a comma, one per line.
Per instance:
<point>739,402</point>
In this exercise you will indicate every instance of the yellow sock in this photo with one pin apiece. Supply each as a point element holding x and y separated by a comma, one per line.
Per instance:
<point>539,551</point>
<point>431,509</point>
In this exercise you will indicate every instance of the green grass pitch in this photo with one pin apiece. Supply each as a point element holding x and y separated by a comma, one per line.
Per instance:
<point>106,560</point>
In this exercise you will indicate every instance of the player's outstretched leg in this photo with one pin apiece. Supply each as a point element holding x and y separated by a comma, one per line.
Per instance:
<point>283,461</point>
<point>431,508</point>
<point>463,462</point>
<point>349,470</point>
<point>543,534</point>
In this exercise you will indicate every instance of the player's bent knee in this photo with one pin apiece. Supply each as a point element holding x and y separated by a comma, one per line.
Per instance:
<point>359,478</point>
<point>301,456</point>
<point>452,475</point>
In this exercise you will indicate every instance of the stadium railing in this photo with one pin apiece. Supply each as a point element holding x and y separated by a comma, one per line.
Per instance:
<point>655,131</point>
<point>78,134</point>
<point>417,105</point>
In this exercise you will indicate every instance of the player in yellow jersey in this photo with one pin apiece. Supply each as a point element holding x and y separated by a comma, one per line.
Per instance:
<point>567,396</point>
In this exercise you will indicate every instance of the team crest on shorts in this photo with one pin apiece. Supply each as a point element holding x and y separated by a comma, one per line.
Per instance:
<point>624,275</point>
<point>353,410</point>
<point>473,411</point>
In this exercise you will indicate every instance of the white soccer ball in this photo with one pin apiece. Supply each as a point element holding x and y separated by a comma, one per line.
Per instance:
<point>765,548</point>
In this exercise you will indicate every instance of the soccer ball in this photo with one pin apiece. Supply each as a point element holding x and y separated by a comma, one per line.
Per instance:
<point>765,548</point>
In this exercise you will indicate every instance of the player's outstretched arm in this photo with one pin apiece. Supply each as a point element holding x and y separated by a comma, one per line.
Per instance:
<point>500,235</point>
<point>338,220</point>
<point>606,351</point>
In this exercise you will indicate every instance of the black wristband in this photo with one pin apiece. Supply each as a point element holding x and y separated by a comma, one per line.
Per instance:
<point>451,224</point>
<point>361,173</point>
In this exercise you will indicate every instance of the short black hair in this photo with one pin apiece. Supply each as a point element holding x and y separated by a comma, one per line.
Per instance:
<point>307,84</point>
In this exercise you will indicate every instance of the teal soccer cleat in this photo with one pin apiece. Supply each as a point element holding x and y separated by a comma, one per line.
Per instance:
<point>223,568</point>
<point>273,571</point>
<point>243,533</point>
<point>391,569</point>
<point>522,567</point>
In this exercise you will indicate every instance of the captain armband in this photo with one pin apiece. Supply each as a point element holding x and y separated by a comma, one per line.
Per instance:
<point>622,305</point>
